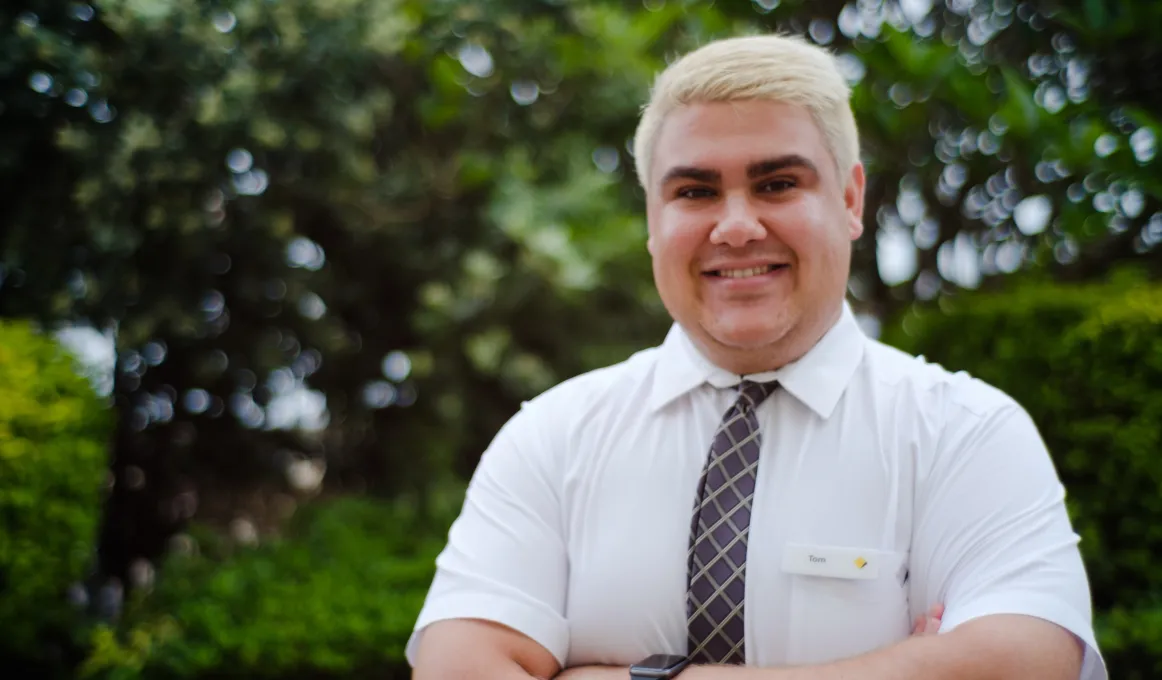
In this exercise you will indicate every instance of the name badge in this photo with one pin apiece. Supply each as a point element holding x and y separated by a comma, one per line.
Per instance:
<point>831,561</point>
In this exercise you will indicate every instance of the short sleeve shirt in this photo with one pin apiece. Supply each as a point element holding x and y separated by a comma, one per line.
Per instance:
<point>576,524</point>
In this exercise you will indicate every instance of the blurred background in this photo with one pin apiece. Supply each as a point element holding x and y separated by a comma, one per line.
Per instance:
<point>273,273</point>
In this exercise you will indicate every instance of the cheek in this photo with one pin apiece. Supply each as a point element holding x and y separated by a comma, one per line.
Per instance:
<point>676,241</point>
<point>812,231</point>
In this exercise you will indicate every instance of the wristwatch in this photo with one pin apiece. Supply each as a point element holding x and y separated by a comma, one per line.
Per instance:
<point>658,666</point>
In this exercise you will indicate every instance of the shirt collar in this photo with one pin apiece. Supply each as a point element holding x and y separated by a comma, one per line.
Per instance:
<point>817,379</point>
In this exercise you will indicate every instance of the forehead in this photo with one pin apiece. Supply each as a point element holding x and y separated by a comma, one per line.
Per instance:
<point>729,135</point>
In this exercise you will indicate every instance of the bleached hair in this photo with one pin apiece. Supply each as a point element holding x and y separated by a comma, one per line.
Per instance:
<point>779,68</point>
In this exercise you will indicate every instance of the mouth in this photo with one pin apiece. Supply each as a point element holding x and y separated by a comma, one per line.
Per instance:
<point>744,273</point>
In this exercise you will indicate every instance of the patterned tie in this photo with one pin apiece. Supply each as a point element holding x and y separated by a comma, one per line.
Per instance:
<point>718,533</point>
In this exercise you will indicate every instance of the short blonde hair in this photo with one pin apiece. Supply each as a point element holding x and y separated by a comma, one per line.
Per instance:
<point>767,67</point>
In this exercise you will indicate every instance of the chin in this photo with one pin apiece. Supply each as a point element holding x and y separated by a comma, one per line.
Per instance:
<point>749,326</point>
<point>747,335</point>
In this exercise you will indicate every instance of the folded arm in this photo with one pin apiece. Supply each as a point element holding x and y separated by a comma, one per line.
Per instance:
<point>1001,647</point>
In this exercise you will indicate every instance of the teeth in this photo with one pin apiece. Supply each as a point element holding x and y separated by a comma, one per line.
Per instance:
<point>743,273</point>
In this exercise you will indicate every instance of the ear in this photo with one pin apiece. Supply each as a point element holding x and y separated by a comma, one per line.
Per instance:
<point>853,200</point>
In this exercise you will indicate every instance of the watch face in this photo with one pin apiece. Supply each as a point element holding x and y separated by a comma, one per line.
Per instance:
<point>658,666</point>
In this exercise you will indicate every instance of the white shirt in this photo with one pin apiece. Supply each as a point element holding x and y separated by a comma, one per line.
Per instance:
<point>576,524</point>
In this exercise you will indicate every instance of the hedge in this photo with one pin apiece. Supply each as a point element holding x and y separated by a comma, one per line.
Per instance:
<point>1086,361</point>
<point>54,432</point>
<point>335,597</point>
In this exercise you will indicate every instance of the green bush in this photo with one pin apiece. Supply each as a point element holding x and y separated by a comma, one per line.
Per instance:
<point>53,459</point>
<point>335,597</point>
<point>1086,361</point>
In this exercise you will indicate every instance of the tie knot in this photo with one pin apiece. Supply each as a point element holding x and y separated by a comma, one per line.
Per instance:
<point>751,394</point>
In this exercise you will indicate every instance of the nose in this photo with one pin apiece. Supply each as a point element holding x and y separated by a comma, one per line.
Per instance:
<point>739,224</point>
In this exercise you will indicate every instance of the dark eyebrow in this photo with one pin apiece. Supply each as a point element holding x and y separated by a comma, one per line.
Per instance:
<point>689,172</point>
<point>772,165</point>
<point>753,171</point>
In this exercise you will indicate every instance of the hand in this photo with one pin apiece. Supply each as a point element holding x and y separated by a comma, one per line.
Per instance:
<point>594,673</point>
<point>928,624</point>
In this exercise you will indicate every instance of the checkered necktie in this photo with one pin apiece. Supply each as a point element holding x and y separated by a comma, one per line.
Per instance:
<point>718,533</point>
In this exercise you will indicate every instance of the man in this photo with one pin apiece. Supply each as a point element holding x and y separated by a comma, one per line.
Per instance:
<point>620,525</point>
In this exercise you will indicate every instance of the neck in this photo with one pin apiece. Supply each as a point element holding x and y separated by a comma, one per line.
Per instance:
<point>789,348</point>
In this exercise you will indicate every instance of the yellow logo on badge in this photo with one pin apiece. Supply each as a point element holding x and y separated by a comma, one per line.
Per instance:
<point>860,562</point>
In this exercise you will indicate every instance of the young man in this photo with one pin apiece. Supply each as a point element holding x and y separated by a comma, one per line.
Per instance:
<point>769,494</point>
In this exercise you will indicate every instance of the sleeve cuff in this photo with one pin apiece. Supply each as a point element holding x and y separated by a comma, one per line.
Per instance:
<point>1052,610</point>
<point>546,628</point>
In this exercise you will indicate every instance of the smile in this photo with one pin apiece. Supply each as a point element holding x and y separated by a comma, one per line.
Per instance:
<point>745,273</point>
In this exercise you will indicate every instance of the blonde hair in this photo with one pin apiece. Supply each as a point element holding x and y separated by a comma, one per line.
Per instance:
<point>765,67</point>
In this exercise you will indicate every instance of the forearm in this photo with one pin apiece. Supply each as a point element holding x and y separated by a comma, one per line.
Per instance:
<point>456,649</point>
<point>993,648</point>
<point>480,668</point>
<point>1004,648</point>
<point>913,658</point>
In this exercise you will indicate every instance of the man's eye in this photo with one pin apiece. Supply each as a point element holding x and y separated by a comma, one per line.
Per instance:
<point>695,192</point>
<point>777,185</point>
